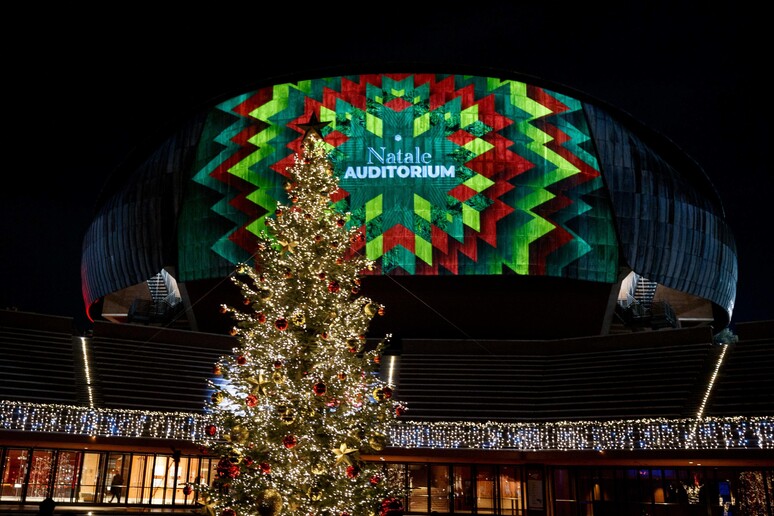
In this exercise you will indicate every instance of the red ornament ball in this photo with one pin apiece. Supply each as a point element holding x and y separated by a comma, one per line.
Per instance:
<point>375,480</point>
<point>265,468</point>
<point>212,430</point>
<point>228,512</point>
<point>251,400</point>
<point>334,286</point>
<point>261,317</point>
<point>400,410</point>
<point>289,441</point>
<point>353,471</point>
<point>277,364</point>
<point>241,360</point>
<point>319,388</point>
<point>226,469</point>
<point>187,490</point>
<point>387,393</point>
<point>281,324</point>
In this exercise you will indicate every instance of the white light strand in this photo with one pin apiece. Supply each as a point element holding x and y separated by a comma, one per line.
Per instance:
<point>642,434</point>
<point>89,421</point>
<point>727,433</point>
<point>87,371</point>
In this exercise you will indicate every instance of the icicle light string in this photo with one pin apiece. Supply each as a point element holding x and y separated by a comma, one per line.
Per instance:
<point>642,434</point>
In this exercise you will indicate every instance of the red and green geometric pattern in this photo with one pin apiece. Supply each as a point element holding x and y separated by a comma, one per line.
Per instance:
<point>444,175</point>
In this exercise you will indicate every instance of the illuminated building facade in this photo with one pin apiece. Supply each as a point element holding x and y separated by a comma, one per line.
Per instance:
<point>555,274</point>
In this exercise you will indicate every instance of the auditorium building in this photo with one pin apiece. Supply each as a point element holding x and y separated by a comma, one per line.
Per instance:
<point>559,283</point>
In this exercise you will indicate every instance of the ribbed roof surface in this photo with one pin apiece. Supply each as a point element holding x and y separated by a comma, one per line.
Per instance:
<point>37,363</point>
<point>640,376</point>
<point>144,368</point>
<point>653,374</point>
<point>130,367</point>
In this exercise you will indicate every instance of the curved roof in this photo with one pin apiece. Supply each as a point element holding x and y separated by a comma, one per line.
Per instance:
<point>447,174</point>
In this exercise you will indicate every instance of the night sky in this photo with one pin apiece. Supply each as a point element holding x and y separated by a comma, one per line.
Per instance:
<point>82,98</point>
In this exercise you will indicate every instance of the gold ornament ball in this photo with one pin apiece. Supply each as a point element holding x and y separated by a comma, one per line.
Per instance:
<point>239,434</point>
<point>269,502</point>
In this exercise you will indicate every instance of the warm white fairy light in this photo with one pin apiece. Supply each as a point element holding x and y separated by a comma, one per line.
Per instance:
<point>711,383</point>
<point>642,434</point>
<point>87,371</point>
<point>90,421</point>
<point>392,367</point>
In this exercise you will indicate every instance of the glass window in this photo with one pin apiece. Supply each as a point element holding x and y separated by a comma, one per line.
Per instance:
<point>40,475</point>
<point>511,501</point>
<point>440,488</point>
<point>657,486</point>
<point>89,477</point>
<point>464,494</point>
<point>116,486</point>
<point>606,485</point>
<point>141,474</point>
<point>672,487</point>
<point>485,489</point>
<point>588,490</point>
<point>419,493</point>
<point>68,469</point>
<point>563,485</point>
<point>14,473</point>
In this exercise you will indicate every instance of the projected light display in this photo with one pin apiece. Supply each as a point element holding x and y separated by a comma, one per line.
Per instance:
<point>443,174</point>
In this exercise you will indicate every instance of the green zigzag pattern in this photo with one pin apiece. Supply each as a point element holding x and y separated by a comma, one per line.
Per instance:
<point>288,104</point>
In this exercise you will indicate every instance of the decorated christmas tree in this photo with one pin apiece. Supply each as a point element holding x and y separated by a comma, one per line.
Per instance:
<point>300,401</point>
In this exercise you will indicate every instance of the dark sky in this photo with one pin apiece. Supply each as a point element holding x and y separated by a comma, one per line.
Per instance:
<point>82,96</point>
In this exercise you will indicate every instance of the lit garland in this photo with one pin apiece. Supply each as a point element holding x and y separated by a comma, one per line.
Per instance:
<point>99,422</point>
<point>642,434</point>
<point>728,433</point>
